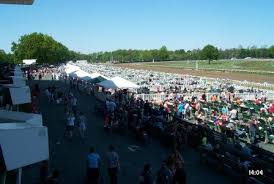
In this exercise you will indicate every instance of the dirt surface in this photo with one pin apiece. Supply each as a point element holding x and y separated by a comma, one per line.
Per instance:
<point>260,78</point>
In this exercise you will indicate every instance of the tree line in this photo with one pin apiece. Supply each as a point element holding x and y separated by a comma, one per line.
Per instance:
<point>47,50</point>
<point>209,52</point>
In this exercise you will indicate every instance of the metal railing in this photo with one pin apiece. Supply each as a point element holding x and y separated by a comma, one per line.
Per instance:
<point>244,96</point>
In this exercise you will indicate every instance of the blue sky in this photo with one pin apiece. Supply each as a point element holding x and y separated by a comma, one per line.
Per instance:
<point>103,25</point>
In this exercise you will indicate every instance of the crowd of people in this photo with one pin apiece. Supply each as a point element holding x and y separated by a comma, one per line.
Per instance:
<point>221,114</point>
<point>172,169</point>
<point>240,121</point>
<point>221,104</point>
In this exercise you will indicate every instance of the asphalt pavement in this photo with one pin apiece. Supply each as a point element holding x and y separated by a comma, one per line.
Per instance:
<point>70,157</point>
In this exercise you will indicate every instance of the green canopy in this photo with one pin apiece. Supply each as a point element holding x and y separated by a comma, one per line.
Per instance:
<point>97,79</point>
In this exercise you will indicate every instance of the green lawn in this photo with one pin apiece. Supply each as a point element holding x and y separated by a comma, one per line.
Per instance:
<point>266,66</point>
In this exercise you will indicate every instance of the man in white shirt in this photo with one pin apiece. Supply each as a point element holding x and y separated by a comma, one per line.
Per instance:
<point>233,114</point>
<point>186,111</point>
<point>70,125</point>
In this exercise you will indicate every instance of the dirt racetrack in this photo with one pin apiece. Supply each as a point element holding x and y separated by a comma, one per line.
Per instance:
<point>241,76</point>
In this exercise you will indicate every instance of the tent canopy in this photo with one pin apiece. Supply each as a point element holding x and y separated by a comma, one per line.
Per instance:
<point>29,61</point>
<point>71,68</point>
<point>97,79</point>
<point>94,75</point>
<point>80,74</point>
<point>118,82</point>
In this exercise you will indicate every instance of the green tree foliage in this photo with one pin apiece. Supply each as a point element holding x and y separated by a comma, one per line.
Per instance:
<point>210,53</point>
<point>41,47</point>
<point>46,50</point>
<point>4,57</point>
<point>271,51</point>
<point>163,54</point>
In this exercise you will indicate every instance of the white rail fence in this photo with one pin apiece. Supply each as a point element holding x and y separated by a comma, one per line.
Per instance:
<point>245,96</point>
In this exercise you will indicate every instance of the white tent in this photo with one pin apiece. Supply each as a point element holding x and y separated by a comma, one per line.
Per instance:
<point>17,71</point>
<point>18,74</point>
<point>118,82</point>
<point>32,119</point>
<point>95,75</point>
<point>23,139</point>
<point>84,75</point>
<point>81,74</point>
<point>82,62</point>
<point>18,81</point>
<point>29,61</point>
<point>19,95</point>
<point>71,68</point>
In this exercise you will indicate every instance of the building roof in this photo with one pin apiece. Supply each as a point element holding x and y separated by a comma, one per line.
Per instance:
<point>26,2</point>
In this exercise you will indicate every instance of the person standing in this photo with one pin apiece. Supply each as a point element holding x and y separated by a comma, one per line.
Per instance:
<point>47,92</point>
<point>44,172</point>
<point>74,105</point>
<point>180,174</point>
<point>180,110</point>
<point>252,129</point>
<point>40,76</point>
<point>93,164</point>
<point>113,164</point>
<point>165,174</point>
<point>146,175</point>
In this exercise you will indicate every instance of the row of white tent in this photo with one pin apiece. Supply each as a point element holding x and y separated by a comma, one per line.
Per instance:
<point>23,138</point>
<point>19,91</point>
<point>108,83</point>
<point>75,71</point>
<point>118,83</point>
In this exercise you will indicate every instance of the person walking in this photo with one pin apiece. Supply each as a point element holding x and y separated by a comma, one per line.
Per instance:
<point>82,126</point>
<point>70,126</point>
<point>74,104</point>
<point>93,164</point>
<point>48,94</point>
<point>113,164</point>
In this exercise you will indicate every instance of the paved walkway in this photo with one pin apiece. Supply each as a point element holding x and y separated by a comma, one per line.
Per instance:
<point>70,157</point>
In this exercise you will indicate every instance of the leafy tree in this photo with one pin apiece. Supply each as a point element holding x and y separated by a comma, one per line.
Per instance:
<point>210,53</point>
<point>163,54</point>
<point>46,50</point>
<point>41,47</point>
<point>271,51</point>
<point>4,57</point>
